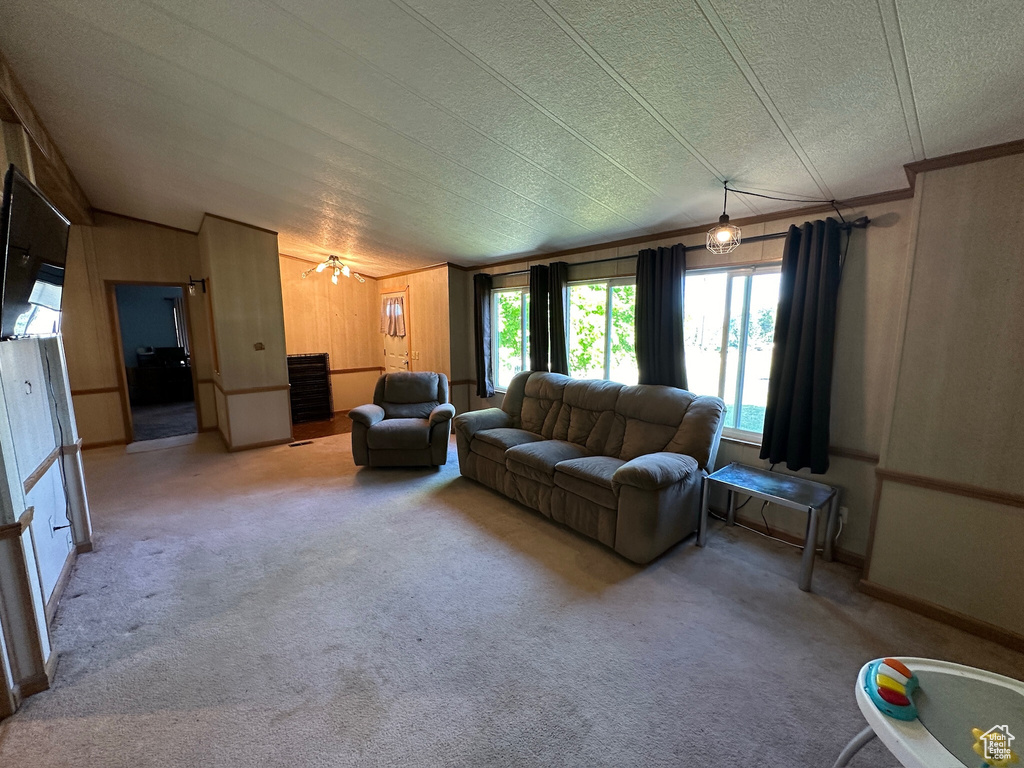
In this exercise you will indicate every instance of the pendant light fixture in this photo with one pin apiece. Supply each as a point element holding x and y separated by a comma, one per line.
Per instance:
<point>725,237</point>
<point>337,268</point>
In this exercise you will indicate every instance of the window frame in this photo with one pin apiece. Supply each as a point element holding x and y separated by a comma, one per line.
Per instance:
<point>609,283</point>
<point>524,294</point>
<point>749,270</point>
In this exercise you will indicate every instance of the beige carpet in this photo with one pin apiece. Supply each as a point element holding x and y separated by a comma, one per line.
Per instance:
<point>279,608</point>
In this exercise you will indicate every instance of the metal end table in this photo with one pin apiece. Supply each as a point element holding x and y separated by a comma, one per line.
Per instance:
<point>784,490</point>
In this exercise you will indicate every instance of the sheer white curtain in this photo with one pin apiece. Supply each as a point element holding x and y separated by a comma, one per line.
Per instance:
<point>392,316</point>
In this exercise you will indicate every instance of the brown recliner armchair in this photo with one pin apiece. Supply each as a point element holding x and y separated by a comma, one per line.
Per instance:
<point>408,424</point>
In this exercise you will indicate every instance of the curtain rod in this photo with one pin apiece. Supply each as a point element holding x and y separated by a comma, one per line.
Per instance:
<point>860,223</point>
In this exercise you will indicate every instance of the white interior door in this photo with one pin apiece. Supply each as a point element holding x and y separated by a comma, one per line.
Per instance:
<point>396,348</point>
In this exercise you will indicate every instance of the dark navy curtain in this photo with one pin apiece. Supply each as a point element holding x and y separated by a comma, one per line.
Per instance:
<point>558,291</point>
<point>539,317</point>
<point>659,316</point>
<point>796,422</point>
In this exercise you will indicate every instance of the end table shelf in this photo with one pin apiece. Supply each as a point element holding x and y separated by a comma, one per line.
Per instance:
<point>784,490</point>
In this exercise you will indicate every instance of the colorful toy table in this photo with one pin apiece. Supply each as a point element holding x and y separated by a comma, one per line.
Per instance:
<point>952,700</point>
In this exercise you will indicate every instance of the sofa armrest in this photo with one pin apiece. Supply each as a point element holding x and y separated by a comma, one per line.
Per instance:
<point>468,424</point>
<point>367,415</point>
<point>654,471</point>
<point>443,412</point>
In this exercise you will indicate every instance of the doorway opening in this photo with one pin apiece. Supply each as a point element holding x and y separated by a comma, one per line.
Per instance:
<point>157,360</point>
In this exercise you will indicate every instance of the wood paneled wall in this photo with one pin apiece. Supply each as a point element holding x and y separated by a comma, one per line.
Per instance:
<point>341,320</point>
<point>246,307</point>
<point>428,317</point>
<point>949,527</point>
<point>117,250</point>
<point>344,321</point>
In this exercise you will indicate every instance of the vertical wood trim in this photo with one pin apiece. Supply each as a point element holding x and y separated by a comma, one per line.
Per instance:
<point>870,544</point>
<point>122,374</point>
<point>62,581</point>
<point>901,331</point>
<point>196,396</point>
<point>213,328</point>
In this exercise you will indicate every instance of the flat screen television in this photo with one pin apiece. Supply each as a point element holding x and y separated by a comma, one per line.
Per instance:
<point>34,244</point>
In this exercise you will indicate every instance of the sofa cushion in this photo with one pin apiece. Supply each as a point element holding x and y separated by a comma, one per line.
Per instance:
<point>581,417</point>
<point>399,434</point>
<point>492,443</point>
<point>537,460</point>
<point>653,415</point>
<point>410,395</point>
<point>542,402</point>
<point>591,478</point>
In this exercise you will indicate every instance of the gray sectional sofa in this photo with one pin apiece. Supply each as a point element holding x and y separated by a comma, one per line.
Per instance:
<point>620,464</point>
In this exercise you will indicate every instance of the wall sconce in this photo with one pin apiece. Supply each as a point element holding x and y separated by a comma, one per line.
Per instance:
<point>193,283</point>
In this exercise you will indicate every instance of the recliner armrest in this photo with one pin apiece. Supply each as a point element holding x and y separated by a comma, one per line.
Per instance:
<point>441,413</point>
<point>468,424</point>
<point>368,415</point>
<point>654,471</point>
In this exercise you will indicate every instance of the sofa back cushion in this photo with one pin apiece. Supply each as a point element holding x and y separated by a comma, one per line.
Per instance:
<point>542,402</point>
<point>409,395</point>
<point>610,419</point>
<point>668,419</point>
<point>587,415</point>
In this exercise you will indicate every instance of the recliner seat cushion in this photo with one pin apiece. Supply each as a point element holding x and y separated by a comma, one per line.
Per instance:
<point>399,434</point>
<point>590,478</point>
<point>537,460</point>
<point>492,443</point>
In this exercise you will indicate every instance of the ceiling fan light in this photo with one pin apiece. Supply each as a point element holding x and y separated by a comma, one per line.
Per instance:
<point>346,271</point>
<point>321,266</point>
<point>334,279</point>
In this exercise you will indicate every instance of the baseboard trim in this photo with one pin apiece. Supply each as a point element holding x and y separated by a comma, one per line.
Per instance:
<point>947,616</point>
<point>58,590</point>
<point>40,681</point>
<point>103,444</point>
<point>84,546</point>
<point>844,556</point>
<point>265,444</point>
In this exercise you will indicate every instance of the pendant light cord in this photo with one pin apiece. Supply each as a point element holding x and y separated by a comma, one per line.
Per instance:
<point>833,203</point>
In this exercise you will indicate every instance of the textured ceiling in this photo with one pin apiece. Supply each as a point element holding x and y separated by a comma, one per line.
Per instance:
<point>400,133</point>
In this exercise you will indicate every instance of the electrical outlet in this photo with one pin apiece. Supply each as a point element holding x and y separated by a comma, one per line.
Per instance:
<point>844,514</point>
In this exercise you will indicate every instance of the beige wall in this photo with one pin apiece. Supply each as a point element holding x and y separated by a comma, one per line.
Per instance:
<point>117,250</point>
<point>344,321</point>
<point>958,403</point>
<point>341,320</point>
<point>868,317</point>
<point>430,342</point>
<point>460,334</point>
<point>241,264</point>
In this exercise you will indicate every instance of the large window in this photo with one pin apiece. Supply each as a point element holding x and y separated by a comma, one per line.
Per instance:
<point>729,333</point>
<point>602,319</point>
<point>510,318</point>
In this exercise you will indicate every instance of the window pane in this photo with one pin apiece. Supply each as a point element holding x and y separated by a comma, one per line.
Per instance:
<point>623,366</point>
<point>586,330</point>
<point>508,336</point>
<point>525,313</point>
<point>732,354</point>
<point>764,299</point>
<point>704,305</point>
